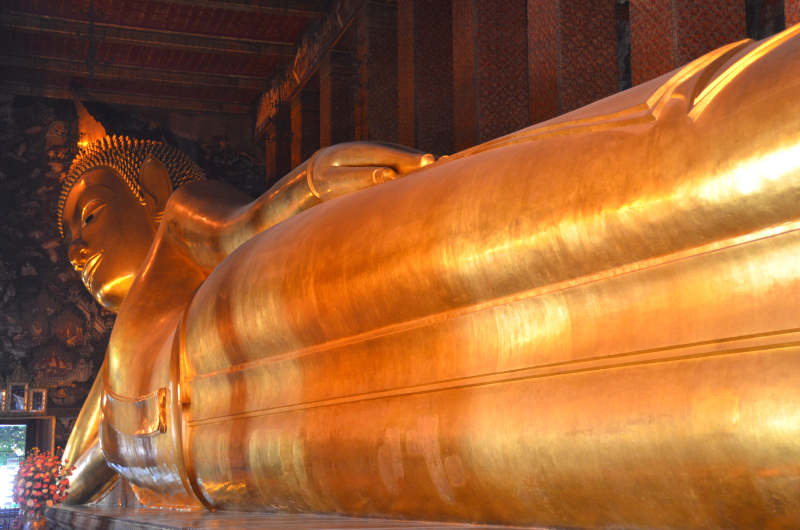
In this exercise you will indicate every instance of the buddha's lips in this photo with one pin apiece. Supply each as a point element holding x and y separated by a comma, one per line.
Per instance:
<point>90,267</point>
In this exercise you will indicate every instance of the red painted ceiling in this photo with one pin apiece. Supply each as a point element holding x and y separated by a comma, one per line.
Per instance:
<point>61,47</point>
<point>168,16</point>
<point>20,42</point>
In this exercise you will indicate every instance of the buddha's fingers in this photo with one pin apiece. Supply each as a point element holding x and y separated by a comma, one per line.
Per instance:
<point>370,154</point>
<point>403,162</point>
<point>336,181</point>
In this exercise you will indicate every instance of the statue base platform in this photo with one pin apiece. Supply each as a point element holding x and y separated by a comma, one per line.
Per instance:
<point>124,518</point>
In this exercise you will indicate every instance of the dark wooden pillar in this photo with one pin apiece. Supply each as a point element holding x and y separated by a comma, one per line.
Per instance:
<point>279,145</point>
<point>425,66</point>
<point>490,63</point>
<point>305,125</point>
<point>572,55</point>
<point>336,98</point>
<point>270,154</point>
<point>765,18</point>
<point>376,45</point>
<point>667,34</point>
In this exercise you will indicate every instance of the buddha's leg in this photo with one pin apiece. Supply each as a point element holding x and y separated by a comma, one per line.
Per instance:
<point>627,400</point>
<point>527,335</point>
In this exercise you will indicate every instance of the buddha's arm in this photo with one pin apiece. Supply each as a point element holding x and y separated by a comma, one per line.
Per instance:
<point>208,220</point>
<point>92,476</point>
<point>86,426</point>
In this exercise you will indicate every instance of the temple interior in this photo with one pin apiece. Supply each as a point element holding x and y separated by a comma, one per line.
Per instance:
<point>249,90</point>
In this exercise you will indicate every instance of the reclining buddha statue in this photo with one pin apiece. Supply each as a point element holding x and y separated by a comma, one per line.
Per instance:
<point>593,322</point>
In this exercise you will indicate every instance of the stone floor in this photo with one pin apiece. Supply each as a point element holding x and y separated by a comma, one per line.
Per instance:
<point>117,518</point>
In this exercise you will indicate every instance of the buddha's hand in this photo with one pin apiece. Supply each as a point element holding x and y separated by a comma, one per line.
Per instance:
<point>348,167</point>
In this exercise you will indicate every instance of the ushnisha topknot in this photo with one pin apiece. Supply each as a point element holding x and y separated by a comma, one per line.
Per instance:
<point>125,156</point>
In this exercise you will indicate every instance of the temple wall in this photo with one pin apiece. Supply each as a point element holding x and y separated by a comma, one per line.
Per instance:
<point>667,34</point>
<point>376,110</point>
<point>444,76</point>
<point>589,68</point>
<point>490,64</point>
<point>336,98</point>
<point>543,60</point>
<point>792,8</point>
<point>425,74</point>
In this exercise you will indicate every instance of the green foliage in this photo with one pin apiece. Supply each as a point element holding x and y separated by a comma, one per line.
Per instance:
<point>12,442</point>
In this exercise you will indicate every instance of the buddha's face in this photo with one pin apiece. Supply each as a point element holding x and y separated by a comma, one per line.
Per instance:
<point>108,233</point>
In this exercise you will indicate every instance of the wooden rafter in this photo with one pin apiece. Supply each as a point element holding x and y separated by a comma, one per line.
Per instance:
<point>300,8</point>
<point>80,69</point>
<point>45,91</point>
<point>145,37</point>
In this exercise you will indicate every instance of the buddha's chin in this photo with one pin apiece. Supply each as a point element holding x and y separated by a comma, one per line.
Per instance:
<point>111,294</point>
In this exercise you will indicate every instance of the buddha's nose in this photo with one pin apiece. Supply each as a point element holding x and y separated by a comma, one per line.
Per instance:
<point>77,253</point>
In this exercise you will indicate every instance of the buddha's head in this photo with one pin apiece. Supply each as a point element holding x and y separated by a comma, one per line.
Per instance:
<point>110,208</point>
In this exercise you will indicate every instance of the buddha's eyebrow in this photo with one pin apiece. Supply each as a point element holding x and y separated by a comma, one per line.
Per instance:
<point>85,206</point>
<point>93,186</point>
<point>86,197</point>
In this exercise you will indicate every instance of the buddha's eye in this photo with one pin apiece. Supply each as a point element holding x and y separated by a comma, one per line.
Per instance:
<point>91,210</point>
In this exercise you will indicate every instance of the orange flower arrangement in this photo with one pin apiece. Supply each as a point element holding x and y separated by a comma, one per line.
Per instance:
<point>42,480</point>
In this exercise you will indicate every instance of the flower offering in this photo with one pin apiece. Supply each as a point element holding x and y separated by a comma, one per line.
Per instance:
<point>42,480</point>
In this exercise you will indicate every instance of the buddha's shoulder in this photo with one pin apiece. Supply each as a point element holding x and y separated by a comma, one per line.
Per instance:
<point>204,201</point>
<point>212,190</point>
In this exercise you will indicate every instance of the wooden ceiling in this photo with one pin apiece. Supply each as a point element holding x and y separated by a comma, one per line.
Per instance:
<point>205,55</point>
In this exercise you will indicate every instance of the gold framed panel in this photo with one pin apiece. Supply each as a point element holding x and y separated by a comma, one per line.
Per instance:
<point>37,400</point>
<point>17,397</point>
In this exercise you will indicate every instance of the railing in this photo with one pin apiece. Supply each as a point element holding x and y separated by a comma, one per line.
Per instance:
<point>7,516</point>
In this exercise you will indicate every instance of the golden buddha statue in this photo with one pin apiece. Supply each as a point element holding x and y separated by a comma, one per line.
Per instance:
<point>588,323</point>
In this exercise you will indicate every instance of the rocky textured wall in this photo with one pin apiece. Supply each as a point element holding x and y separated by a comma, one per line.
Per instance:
<point>51,330</point>
<point>792,12</point>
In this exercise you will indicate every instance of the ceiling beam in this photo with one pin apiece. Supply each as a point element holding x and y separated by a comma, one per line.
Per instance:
<point>116,98</point>
<point>81,69</point>
<point>299,8</point>
<point>144,37</point>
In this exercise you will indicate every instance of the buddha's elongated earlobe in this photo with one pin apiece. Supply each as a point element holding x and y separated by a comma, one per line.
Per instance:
<point>156,186</point>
